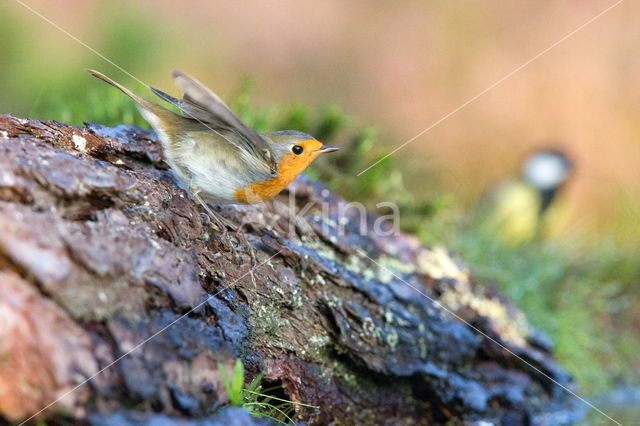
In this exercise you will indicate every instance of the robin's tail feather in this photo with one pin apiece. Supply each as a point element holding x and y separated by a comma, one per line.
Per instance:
<point>156,115</point>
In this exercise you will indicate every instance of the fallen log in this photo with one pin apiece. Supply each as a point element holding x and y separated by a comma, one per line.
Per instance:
<point>110,272</point>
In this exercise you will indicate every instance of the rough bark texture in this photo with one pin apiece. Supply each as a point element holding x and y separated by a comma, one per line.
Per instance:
<point>99,250</point>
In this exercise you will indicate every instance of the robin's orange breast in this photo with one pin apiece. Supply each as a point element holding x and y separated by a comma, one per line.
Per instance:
<point>261,191</point>
<point>290,166</point>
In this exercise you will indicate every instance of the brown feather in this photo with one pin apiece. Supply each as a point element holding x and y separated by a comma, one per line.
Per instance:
<point>201,103</point>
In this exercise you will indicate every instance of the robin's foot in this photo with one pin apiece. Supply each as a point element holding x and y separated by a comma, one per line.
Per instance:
<point>221,224</point>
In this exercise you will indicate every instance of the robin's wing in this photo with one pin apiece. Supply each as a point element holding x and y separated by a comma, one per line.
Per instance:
<point>201,104</point>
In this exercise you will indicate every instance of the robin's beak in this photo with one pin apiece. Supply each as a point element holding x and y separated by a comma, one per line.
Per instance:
<point>326,148</point>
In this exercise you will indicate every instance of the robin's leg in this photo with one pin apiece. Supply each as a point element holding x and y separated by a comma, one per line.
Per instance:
<point>217,223</point>
<point>240,235</point>
<point>221,224</point>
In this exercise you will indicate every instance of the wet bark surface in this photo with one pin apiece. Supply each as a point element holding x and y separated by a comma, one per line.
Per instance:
<point>103,258</point>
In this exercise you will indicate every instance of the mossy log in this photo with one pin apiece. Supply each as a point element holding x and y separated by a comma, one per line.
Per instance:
<point>103,259</point>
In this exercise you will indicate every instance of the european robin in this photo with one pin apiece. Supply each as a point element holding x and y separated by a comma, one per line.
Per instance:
<point>214,154</point>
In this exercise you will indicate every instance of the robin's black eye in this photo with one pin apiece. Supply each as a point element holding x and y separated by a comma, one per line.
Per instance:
<point>297,149</point>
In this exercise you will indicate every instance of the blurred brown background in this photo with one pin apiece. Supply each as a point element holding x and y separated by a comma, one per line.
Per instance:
<point>399,65</point>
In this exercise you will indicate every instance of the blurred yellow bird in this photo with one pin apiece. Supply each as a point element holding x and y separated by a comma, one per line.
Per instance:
<point>519,210</point>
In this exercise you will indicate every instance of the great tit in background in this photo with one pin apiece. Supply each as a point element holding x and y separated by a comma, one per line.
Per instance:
<point>519,210</point>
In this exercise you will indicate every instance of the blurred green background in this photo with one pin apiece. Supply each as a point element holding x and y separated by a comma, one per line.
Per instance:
<point>402,66</point>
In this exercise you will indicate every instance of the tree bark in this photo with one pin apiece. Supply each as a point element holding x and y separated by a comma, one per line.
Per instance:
<point>103,259</point>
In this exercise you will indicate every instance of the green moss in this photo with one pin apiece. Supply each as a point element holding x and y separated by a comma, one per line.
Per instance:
<point>338,369</point>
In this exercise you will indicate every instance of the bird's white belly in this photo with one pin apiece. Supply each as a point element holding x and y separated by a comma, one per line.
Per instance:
<point>215,180</point>
<point>214,172</point>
